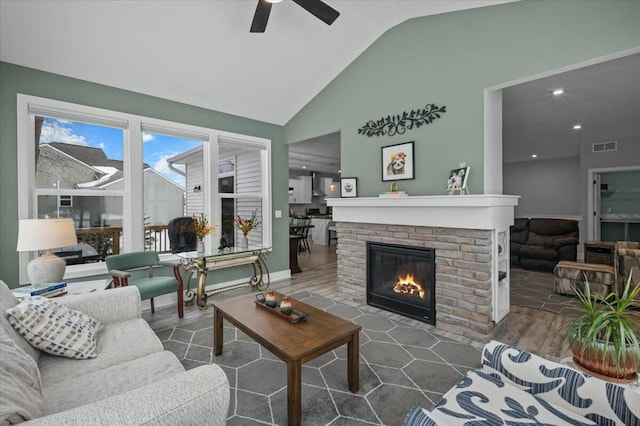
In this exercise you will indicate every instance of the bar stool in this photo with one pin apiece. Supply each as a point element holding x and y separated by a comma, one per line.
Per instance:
<point>333,232</point>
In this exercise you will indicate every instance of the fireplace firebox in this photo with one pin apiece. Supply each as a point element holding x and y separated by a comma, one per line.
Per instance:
<point>401,279</point>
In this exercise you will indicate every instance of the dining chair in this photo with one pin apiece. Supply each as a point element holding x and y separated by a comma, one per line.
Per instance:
<point>304,232</point>
<point>136,268</point>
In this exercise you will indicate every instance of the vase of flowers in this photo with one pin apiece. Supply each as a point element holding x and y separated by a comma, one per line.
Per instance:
<point>245,225</point>
<point>201,228</point>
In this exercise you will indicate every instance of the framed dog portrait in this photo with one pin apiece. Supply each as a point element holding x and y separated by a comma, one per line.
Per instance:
<point>458,179</point>
<point>348,187</point>
<point>397,162</point>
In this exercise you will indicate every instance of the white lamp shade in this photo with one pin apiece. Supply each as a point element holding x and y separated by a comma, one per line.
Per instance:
<point>42,234</point>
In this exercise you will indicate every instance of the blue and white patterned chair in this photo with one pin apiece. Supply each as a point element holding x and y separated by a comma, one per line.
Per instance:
<point>515,387</point>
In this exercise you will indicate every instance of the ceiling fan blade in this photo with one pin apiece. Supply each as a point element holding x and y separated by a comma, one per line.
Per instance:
<point>320,10</point>
<point>261,17</point>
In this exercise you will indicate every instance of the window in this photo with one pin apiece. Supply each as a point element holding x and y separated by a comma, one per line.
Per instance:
<point>65,201</point>
<point>168,184</point>
<point>248,187</point>
<point>122,177</point>
<point>226,185</point>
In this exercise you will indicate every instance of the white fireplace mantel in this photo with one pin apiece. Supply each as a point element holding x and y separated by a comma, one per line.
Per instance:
<point>493,213</point>
<point>485,211</point>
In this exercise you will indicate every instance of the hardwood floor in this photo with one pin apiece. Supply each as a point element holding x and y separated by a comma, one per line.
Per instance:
<point>537,331</point>
<point>318,276</point>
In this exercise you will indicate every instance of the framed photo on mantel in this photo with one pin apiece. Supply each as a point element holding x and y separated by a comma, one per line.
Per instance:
<point>348,187</point>
<point>458,179</point>
<point>397,162</point>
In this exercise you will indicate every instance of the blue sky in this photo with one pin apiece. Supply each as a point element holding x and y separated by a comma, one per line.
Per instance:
<point>157,148</point>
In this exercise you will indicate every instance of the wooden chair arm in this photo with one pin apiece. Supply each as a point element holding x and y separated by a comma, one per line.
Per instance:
<point>120,278</point>
<point>119,274</point>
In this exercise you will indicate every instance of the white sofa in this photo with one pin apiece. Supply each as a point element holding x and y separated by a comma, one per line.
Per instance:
<point>132,381</point>
<point>515,387</point>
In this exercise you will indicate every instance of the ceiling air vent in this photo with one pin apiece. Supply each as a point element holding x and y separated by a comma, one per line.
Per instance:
<point>605,146</point>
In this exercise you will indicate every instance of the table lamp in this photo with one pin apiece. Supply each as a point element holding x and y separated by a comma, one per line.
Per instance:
<point>45,234</point>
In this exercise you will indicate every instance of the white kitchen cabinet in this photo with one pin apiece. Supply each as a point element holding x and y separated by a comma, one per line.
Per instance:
<point>300,190</point>
<point>306,189</point>
<point>294,190</point>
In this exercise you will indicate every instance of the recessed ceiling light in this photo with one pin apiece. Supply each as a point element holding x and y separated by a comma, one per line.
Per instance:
<point>304,167</point>
<point>339,171</point>
<point>534,155</point>
<point>577,126</point>
<point>558,92</point>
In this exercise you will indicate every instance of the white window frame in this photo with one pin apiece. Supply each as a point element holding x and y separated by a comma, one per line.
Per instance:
<point>133,126</point>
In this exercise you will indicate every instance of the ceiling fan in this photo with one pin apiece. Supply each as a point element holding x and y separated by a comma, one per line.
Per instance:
<point>317,8</point>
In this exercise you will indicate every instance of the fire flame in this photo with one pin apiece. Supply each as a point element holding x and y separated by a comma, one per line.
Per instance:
<point>407,285</point>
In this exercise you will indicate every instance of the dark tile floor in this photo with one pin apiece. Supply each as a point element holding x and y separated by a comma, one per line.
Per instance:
<point>401,365</point>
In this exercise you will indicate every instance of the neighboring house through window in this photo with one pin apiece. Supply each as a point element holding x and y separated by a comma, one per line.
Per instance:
<point>122,177</point>
<point>239,189</point>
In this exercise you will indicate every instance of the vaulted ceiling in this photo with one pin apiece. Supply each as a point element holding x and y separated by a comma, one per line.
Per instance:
<point>200,52</point>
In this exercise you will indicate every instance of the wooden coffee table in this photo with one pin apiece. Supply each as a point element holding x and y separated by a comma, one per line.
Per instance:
<point>295,344</point>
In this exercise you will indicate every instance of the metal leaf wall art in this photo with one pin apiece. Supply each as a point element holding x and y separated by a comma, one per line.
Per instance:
<point>400,123</point>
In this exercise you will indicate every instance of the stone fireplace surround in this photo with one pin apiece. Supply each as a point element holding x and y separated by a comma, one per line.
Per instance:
<point>463,230</point>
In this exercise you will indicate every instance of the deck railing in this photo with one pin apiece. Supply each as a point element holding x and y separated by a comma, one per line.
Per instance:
<point>108,241</point>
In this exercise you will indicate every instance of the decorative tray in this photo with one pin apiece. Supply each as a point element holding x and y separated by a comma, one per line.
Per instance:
<point>294,318</point>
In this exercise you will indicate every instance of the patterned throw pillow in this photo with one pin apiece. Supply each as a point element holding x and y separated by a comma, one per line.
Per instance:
<point>54,328</point>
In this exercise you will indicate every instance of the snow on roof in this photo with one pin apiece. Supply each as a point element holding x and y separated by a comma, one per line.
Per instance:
<point>108,173</point>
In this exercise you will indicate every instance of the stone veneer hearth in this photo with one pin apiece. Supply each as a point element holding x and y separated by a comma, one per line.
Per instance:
<point>463,270</point>
<point>470,235</point>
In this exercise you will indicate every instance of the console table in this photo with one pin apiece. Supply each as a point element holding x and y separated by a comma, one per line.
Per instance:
<point>233,256</point>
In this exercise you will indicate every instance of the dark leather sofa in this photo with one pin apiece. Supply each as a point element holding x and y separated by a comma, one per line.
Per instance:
<point>518,237</point>
<point>539,244</point>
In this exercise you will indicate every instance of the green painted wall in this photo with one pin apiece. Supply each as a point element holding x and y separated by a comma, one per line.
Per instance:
<point>15,79</point>
<point>450,59</point>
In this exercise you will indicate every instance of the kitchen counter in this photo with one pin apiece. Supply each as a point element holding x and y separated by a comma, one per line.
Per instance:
<point>319,233</point>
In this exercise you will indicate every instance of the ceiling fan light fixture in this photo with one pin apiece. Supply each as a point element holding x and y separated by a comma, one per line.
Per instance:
<point>317,8</point>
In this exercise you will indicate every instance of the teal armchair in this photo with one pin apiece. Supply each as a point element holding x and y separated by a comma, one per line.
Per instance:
<point>136,269</point>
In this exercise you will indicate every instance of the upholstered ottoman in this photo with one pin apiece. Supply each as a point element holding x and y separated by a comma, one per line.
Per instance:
<point>567,274</point>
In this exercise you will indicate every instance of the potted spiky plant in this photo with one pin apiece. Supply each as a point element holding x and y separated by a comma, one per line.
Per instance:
<point>604,338</point>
